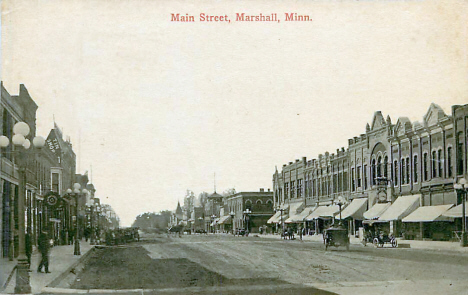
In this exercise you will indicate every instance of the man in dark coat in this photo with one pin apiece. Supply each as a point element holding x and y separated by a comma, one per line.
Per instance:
<point>28,247</point>
<point>44,249</point>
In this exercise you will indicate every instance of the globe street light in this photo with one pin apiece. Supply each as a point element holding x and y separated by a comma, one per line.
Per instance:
<point>21,131</point>
<point>91,205</point>
<point>247,213</point>
<point>213,217</point>
<point>461,188</point>
<point>76,192</point>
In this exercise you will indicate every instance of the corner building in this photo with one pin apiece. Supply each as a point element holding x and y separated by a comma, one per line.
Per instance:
<point>416,163</point>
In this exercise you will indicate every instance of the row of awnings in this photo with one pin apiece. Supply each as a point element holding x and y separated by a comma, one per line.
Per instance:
<point>405,208</point>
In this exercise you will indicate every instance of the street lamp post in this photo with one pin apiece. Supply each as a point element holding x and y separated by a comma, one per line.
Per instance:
<point>213,217</point>
<point>461,188</point>
<point>21,130</point>
<point>98,225</point>
<point>200,222</point>
<point>91,221</point>
<point>247,213</point>
<point>76,191</point>
<point>232,214</point>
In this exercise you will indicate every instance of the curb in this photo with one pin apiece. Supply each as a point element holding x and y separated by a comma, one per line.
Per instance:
<point>8,279</point>
<point>71,269</point>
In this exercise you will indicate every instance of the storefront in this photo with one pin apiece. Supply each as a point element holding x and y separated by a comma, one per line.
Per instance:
<point>427,222</point>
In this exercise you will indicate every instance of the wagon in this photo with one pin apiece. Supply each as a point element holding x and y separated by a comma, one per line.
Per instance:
<point>336,236</point>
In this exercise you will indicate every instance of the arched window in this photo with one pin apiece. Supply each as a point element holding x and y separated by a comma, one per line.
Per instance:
<point>408,170</point>
<point>248,204</point>
<point>434,165</point>
<point>403,171</point>
<point>386,167</point>
<point>415,168</point>
<point>374,174</point>
<point>259,202</point>
<point>395,167</point>
<point>379,167</point>
<point>440,160</point>
<point>425,167</point>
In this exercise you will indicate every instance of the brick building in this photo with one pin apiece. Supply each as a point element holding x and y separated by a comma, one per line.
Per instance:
<point>260,205</point>
<point>417,162</point>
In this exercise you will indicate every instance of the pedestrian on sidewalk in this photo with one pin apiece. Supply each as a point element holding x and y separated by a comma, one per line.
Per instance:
<point>28,247</point>
<point>44,249</point>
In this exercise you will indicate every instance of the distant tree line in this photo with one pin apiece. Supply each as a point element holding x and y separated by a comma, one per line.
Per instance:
<point>152,221</point>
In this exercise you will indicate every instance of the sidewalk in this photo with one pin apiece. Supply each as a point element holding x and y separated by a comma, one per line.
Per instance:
<point>61,258</point>
<point>413,244</point>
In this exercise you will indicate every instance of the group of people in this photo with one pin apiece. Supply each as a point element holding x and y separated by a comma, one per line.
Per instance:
<point>289,233</point>
<point>122,235</point>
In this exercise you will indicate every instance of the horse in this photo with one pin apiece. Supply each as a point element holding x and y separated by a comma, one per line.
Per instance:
<point>177,229</point>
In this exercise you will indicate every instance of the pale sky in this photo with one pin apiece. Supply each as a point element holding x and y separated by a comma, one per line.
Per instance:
<point>162,105</point>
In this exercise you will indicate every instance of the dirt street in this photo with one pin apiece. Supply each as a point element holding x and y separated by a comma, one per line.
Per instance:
<point>223,261</point>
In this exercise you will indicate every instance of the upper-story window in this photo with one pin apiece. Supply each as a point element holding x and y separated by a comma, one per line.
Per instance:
<point>365,176</point>
<point>379,167</point>
<point>353,181</point>
<point>403,171</point>
<point>434,165</point>
<point>299,188</point>
<point>373,173</point>
<point>415,168</point>
<point>440,162</point>
<point>55,182</point>
<point>460,153</point>
<point>408,170</point>
<point>286,190</point>
<point>449,160</point>
<point>425,167</point>
<point>293,191</point>
<point>385,171</point>
<point>395,173</point>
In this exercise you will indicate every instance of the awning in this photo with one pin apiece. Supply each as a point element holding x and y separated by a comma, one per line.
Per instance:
<point>295,208</point>
<point>277,217</point>
<point>428,214</point>
<point>224,219</point>
<point>298,218</point>
<point>324,212</point>
<point>455,212</point>
<point>215,222</point>
<point>376,210</point>
<point>355,209</point>
<point>401,208</point>
<point>274,217</point>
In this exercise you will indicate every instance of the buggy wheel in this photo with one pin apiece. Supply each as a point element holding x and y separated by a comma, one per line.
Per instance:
<point>394,243</point>
<point>375,241</point>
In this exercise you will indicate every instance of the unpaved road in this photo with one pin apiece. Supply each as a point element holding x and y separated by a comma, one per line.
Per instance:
<point>307,263</point>
<point>223,264</point>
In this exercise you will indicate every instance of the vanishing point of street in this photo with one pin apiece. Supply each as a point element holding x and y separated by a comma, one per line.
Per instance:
<point>224,264</point>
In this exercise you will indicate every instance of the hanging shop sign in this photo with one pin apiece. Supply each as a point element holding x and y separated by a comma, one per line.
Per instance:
<point>52,199</point>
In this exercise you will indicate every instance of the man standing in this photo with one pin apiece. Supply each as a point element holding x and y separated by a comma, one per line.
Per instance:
<point>44,248</point>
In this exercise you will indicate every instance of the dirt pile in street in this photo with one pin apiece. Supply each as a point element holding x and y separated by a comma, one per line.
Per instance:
<point>131,267</point>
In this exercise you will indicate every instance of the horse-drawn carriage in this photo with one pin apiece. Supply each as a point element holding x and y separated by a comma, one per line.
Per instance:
<point>336,236</point>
